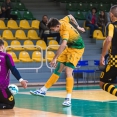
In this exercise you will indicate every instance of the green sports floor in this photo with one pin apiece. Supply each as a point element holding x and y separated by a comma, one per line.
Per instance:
<point>87,101</point>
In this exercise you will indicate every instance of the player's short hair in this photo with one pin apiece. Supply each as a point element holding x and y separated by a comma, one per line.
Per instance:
<point>1,42</point>
<point>113,10</point>
<point>53,22</point>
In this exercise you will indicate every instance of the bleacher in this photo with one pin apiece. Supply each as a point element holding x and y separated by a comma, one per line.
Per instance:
<point>23,43</point>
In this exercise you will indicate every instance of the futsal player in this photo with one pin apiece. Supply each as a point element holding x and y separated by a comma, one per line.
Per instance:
<point>109,74</point>
<point>67,57</point>
<point>6,65</point>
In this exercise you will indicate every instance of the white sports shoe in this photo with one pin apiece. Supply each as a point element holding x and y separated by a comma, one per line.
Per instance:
<point>38,93</point>
<point>67,102</point>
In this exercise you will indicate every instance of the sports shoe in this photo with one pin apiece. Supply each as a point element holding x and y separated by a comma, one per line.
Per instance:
<point>67,102</point>
<point>38,93</point>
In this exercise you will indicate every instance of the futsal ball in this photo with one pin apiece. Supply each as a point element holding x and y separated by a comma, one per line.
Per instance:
<point>13,89</point>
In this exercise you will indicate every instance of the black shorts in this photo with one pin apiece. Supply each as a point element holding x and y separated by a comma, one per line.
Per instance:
<point>6,99</point>
<point>109,74</point>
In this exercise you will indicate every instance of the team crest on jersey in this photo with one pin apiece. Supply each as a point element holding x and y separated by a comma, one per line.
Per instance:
<point>11,98</point>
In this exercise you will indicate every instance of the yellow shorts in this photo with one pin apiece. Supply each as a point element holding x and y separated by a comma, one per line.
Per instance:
<point>71,55</point>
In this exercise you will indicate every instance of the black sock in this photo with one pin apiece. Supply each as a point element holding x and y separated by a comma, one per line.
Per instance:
<point>110,88</point>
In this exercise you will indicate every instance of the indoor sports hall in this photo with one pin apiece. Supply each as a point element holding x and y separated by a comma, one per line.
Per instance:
<point>32,56</point>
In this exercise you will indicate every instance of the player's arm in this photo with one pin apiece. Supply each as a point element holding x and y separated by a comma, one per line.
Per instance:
<point>15,72</point>
<point>73,20</point>
<point>61,48</point>
<point>59,51</point>
<point>107,43</point>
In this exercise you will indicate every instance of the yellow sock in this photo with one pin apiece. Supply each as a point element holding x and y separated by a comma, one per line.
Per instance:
<point>52,80</point>
<point>69,84</point>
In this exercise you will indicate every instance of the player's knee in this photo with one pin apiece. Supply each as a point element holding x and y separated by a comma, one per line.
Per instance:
<point>68,71</point>
<point>101,84</point>
<point>59,67</point>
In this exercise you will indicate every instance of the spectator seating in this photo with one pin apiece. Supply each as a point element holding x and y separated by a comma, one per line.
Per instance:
<point>28,15</point>
<point>50,55</point>
<point>35,24</point>
<point>85,27</point>
<point>20,6</point>
<point>79,15</point>
<point>37,56</point>
<point>6,45</point>
<point>17,45</point>
<point>20,34</point>
<point>13,56</point>
<point>85,71</point>
<point>70,6</point>
<point>8,35</point>
<point>2,25</point>
<point>53,42</point>
<point>28,45</point>
<point>24,24</point>
<point>24,56</point>
<point>42,44</point>
<point>82,7</point>
<point>91,5</point>
<point>12,24</point>
<point>32,34</point>
<point>97,34</point>
<point>18,14</point>
<point>104,7</point>
<point>88,1</point>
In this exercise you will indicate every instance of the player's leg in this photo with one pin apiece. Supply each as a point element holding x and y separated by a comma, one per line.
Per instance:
<point>53,78</point>
<point>6,99</point>
<point>106,77</point>
<point>74,56</point>
<point>69,85</point>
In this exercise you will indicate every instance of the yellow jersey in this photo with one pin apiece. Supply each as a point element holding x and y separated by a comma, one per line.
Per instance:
<point>69,33</point>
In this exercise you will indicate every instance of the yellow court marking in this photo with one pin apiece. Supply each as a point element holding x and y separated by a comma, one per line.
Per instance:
<point>20,112</point>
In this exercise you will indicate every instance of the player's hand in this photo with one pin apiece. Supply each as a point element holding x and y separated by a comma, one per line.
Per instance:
<point>53,63</point>
<point>24,83</point>
<point>102,61</point>
<point>81,29</point>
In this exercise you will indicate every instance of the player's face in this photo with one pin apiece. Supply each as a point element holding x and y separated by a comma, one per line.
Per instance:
<point>2,48</point>
<point>55,29</point>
